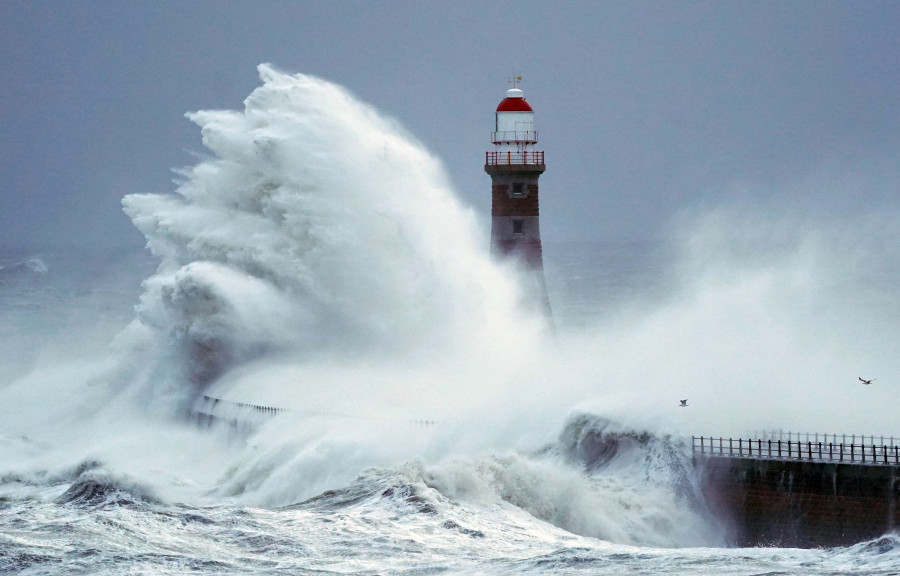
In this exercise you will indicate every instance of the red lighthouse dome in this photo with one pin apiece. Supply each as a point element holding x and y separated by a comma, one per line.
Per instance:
<point>514,102</point>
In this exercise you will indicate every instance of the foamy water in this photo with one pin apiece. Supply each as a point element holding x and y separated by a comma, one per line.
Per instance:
<point>429,420</point>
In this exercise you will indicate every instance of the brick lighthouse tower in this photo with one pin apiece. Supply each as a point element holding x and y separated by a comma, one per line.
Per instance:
<point>514,167</point>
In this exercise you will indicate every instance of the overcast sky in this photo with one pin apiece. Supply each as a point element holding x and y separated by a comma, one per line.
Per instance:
<point>644,109</point>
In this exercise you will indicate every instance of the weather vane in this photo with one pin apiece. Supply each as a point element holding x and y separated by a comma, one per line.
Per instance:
<point>515,81</point>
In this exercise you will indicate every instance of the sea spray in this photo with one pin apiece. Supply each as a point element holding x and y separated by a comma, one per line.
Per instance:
<point>638,489</point>
<point>765,322</point>
<point>319,230</point>
<point>320,263</point>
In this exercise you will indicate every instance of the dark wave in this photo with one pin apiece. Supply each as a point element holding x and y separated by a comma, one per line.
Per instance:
<point>94,493</point>
<point>884,545</point>
<point>596,442</point>
<point>382,488</point>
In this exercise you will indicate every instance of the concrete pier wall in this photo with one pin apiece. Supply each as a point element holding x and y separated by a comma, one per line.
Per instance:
<point>800,504</point>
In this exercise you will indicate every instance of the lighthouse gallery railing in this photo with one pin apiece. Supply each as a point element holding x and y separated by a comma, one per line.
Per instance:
<point>768,449</point>
<point>500,158</point>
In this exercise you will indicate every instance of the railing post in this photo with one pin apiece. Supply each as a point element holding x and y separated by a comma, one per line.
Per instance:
<point>702,451</point>
<point>808,446</point>
<point>730,448</point>
<point>851,452</point>
<point>830,450</point>
<point>884,450</point>
<point>779,449</point>
<point>721,452</point>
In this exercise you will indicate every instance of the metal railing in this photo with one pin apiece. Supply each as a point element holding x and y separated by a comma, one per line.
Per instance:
<point>820,437</point>
<point>501,158</point>
<point>514,136</point>
<point>210,403</point>
<point>255,407</point>
<point>784,450</point>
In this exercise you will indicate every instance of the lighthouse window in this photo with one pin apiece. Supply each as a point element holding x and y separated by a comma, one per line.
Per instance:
<point>518,189</point>
<point>517,226</point>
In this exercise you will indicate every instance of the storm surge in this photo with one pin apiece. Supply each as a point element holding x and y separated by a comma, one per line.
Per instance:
<point>326,336</point>
<point>319,265</point>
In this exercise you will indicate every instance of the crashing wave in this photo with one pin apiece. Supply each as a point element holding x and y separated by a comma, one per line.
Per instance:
<point>319,228</point>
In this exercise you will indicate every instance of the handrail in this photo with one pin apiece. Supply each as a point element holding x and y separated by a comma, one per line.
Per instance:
<point>255,407</point>
<point>820,437</point>
<point>787,450</point>
<point>505,158</point>
<point>514,136</point>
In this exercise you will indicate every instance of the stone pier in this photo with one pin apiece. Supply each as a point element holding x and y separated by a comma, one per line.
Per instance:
<point>801,502</point>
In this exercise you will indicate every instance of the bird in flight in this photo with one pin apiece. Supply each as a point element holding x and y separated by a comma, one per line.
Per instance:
<point>867,382</point>
<point>684,403</point>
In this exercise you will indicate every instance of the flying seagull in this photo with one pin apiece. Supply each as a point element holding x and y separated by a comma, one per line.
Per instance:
<point>684,403</point>
<point>867,382</point>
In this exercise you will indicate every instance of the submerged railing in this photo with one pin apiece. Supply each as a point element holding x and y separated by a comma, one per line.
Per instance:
<point>811,451</point>
<point>233,412</point>
<point>255,407</point>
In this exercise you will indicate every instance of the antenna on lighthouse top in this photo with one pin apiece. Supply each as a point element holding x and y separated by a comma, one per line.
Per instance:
<point>515,81</point>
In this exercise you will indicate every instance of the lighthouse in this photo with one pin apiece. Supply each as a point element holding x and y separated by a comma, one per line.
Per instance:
<point>514,166</point>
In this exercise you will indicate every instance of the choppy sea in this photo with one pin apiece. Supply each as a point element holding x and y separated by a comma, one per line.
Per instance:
<point>425,418</point>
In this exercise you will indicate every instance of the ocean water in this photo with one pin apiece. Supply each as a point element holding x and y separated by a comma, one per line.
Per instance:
<point>429,419</point>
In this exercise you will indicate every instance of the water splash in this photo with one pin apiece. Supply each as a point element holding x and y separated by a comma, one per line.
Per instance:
<point>319,229</point>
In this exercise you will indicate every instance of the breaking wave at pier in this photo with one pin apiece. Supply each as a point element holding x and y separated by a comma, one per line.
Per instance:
<point>325,342</point>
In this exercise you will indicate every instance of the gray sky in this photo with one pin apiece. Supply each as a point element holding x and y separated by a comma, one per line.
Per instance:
<point>644,109</point>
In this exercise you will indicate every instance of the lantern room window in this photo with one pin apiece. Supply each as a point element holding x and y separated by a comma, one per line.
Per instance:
<point>517,226</point>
